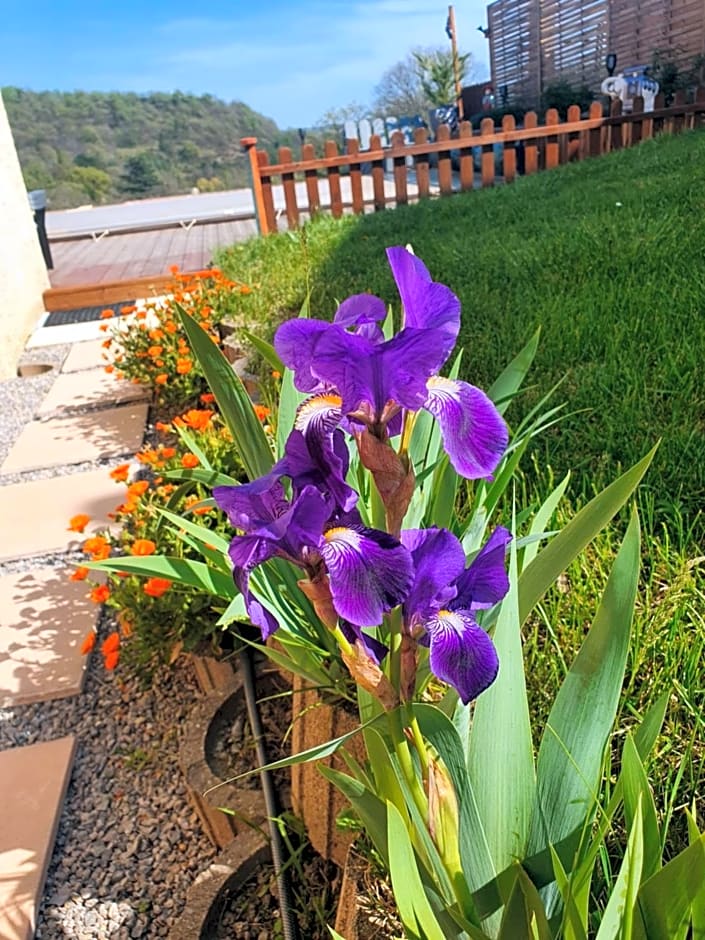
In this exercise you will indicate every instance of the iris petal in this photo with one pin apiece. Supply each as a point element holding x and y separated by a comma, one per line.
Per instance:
<point>295,342</point>
<point>438,559</point>
<point>370,572</point>
<point>257,612</point>
<point>428,305</point>
<point>360,309</point>
<point>485,581</point>
<point>375,650</point>
<point>462,654</point>
<point>474,433</point>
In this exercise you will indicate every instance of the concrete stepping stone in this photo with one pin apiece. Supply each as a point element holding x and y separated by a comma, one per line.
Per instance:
<point>61,441</point>
<point>44,619</point>
<point>33,784</point>
<point>35,515</point>
<point>94,388</point>
<point>88,355</point>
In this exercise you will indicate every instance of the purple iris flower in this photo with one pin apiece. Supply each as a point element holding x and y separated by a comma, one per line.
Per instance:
<point>369,572</point>
<point>440,607</point>
<point>376,379</point>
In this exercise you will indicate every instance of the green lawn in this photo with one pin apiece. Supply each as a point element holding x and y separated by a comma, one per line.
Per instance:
<point>608,258</point>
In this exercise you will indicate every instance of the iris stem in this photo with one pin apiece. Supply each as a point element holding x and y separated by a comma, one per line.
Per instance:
<point>419,743</point>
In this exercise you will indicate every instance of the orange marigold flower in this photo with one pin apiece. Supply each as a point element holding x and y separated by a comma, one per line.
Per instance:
<point>107,313</point>
<point>128,308</point>
<point>109,369</point>
<point>100,594</point>
<point>197,419</point>
<point>156,335</point>
<point>111,660</point>
<point>168,452</point>
<point>78,523</point>
<point>208,398</point>
<point>183,366</point>
<point>103,327</point>
<point>110,644</point>
<point>161,379</point>
<point>155,351</point>
<point>107,343</point>
<point>155,587</point>
<point>119,474</point>
<point>143,547</point>
<point>173,269</point>
<point>95,544</point>
<point>141,314</point>
<point>163,428</point>
<point>138,488</point>
<point>159,363</point>
<point>276,374</point>
<point>189,461</point>
<point>262,412</point>
<point>88,643</point>
<point>80,574</point>
<point>170,326</point>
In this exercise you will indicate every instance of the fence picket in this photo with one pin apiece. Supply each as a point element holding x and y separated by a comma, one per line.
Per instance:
<point>615,130</point>
<point>531,152</point>
<point>270,217</point>
<point>358,203</point>
<point>658,124</point>
<point>377,175</point>
<point>636,126</point>
<point>573,143</point>
<point>487,164</point>
<point>423,179</point>
<point>699,98</point>
<point>509,157</point>
<point>311,176</point>
<point>292,210</point>
<point>330,149</point>
<point>552,151</point>
<point>399,161</point>
<point>445,168</point>
<point>679,122</point>
<point>595,143</point>
<point>467,169</point>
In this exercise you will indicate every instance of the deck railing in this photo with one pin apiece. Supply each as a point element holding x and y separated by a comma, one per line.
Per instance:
<point>540,146</point>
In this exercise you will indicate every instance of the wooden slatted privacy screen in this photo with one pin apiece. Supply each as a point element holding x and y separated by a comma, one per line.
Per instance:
<point>357,181</point>
<point>534,43</point>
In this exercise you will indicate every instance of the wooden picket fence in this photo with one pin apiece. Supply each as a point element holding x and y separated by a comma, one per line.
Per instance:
<point>545,146</point>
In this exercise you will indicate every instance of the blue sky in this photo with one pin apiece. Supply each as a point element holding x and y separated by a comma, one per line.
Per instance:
<point>289,59</point>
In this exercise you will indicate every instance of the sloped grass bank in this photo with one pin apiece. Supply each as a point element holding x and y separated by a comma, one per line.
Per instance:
<point>606,256</point>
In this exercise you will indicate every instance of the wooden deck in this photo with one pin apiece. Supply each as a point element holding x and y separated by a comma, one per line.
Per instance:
<point>89,271</point>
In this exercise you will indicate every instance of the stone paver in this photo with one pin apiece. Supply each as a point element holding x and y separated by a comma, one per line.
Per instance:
<point>94,388</point>
<point>44,618</point>
<point>88,355</point>
<point>33,782</point>
<point>62,441</point>
<point>35,515</point>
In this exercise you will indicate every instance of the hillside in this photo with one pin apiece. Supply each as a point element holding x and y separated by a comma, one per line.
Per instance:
<point>93,147</point>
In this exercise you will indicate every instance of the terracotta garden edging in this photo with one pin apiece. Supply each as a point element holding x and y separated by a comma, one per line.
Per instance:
<point>314,799</point>
<point>230,870</point>
<point>212,674</point>
<point>248,805</point>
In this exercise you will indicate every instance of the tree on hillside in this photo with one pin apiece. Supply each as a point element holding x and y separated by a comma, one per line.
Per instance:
<point>141,176</point>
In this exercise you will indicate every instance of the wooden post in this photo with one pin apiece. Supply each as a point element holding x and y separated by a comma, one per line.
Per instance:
<point>467,170</point>
<point>292,210</point>
<point>330,149</point>
<point>445,168</point>
<point>379,195</point>
<point>456,69</point>
<point>401,195</point>
<point>358,203</point>
<point>421,164</point>
<point>250,146</point>
<point>552,146</point>
<point>531,163</point>
<point>314,200</point>
<point>509,155</point>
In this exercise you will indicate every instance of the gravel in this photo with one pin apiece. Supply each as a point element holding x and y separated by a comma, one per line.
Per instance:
<point>128,845</point>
